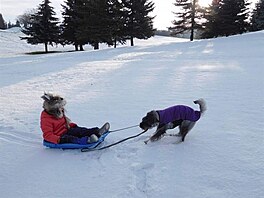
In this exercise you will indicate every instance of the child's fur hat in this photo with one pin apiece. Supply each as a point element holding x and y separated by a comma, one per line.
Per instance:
<point>53,104</point>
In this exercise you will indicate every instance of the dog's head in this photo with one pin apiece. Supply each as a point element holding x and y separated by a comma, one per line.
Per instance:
<point>150,120</point>
<point>53,104</point>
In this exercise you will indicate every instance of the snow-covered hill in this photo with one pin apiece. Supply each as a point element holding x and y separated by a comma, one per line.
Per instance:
<point>221,157</point>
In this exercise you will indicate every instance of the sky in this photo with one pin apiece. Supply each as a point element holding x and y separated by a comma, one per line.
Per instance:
<point>163,10</point>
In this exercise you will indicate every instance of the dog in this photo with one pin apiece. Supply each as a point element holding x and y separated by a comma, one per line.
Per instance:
<point>179,115</point>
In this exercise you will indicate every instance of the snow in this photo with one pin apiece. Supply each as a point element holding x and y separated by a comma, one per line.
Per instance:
<point>221,157</point>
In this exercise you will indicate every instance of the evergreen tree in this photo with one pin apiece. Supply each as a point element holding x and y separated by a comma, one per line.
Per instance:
<point>95,23</point>
<point>70,24</point>
<point>43,26</point>
<point>117,25</point>
<point>233,16</point>
<point>17,24</point>
<point>2,22</point>
<point>186,18</point>
<point>257,21</point>
<point>138,24</point>
<point>211,26</point>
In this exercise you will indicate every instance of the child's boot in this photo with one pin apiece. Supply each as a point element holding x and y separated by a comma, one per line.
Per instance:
<point>104,128</point>
<point>93,138</point>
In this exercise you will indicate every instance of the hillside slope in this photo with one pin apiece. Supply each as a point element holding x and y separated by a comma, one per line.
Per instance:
<point>221,157</point>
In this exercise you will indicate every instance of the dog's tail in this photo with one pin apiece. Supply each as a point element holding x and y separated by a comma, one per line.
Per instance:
<point>201,102</point>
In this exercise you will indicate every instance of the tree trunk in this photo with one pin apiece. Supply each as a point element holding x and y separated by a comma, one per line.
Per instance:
<point>193,19</point>
<point>115,43</point>
<point>76,47</point>
<point>96,46</point>
<point>191,36</point>
<point>81,48</point>
<point>131,41</point>
<point>46,47</point>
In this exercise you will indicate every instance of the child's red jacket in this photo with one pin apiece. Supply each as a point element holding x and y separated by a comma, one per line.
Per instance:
<point>53,128</point>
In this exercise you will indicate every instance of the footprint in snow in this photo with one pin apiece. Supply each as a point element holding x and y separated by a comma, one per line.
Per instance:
<point>141,175</point>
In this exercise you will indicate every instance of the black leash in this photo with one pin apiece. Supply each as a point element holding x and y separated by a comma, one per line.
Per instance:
<point>110,145</point>
<point>124,128</point>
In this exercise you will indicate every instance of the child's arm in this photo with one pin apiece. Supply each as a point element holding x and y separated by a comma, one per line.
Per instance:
<point>70,123</point>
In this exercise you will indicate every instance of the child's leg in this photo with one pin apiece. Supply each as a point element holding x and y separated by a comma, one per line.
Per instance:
<point>73,139</point>
<point>82,132</point>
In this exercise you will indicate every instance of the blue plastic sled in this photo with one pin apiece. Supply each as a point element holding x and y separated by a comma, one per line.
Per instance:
<point>75,146</point>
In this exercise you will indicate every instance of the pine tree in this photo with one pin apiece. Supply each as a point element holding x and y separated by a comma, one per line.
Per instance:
<point>186,18</point>
<point>138,22</point>
<point>43,27</point>
<point>70,24</point>
<point>2,22</point>
<point>211,27</point>
<point>95,23</point>
<point>117,24</point>
<point>233,16</point>
<point>257,21</point>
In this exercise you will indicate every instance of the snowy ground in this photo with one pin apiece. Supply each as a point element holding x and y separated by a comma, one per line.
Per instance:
<point>221,157</point>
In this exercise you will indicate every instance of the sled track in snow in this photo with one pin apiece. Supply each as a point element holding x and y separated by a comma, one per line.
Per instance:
<point>14,138</point>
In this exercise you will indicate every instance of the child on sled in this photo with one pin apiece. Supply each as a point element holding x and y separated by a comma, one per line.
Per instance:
<point>58,129</point>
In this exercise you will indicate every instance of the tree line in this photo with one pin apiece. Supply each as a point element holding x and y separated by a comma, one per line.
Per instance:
<point>90,22</point>
<point>115,21</point>
<point>4,25</point>
<point>220,18</point>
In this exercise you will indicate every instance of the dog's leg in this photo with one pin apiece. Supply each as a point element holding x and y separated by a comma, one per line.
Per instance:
<point>146,141</point>
<point>173,134</point>
<point>161,129</point>
<point>159,133</point>
<point>155,137</point>
<point>185,127</point>
<point>184,133</point>
<point>150,139</point>
<point>172,125</point>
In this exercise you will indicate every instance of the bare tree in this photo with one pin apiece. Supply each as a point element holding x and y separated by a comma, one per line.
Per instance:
<point>25,19</point>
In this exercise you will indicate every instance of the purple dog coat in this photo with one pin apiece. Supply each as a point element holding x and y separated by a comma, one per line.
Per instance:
<point>178,112</point>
